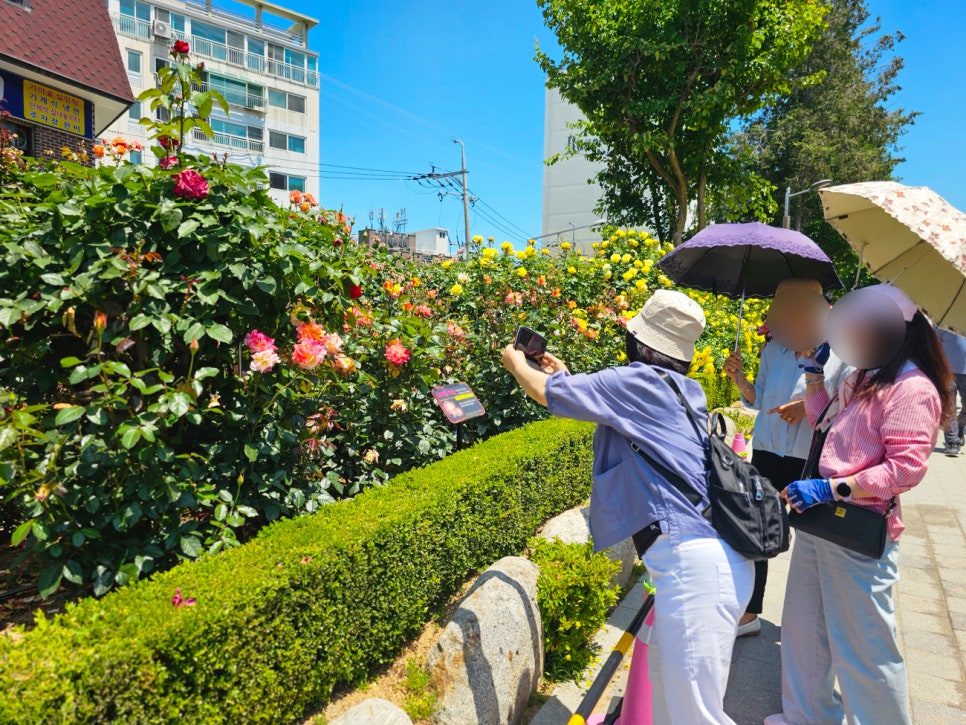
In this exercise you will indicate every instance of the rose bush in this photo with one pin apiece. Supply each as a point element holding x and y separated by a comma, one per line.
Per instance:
<point>182,361</point>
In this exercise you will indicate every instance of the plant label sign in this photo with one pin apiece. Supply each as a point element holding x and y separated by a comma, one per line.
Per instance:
<point>458,402</point>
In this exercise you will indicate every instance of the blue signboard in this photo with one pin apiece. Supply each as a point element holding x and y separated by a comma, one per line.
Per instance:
<point>45,105</point>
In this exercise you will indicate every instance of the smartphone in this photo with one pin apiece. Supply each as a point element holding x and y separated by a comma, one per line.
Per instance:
<point>531,343</point>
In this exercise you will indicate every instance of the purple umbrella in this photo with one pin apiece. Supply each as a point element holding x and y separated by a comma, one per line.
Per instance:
<point>739,260</point>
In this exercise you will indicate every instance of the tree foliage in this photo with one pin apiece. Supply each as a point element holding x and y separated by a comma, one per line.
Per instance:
<point>660,81</point>
<point>843,128</point>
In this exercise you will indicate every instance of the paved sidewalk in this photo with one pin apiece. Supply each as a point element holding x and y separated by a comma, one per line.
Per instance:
<point>931,601</point>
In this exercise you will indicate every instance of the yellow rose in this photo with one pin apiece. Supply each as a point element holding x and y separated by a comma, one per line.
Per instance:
<point>641,284</point>
<point>565,246</point>
<point>626,259</point>
<point>615,258</point>
<point>456,289</point>
<point>447,264</point>
<point>522,272</point>
<point>571,270</point>
<point>630,274</point>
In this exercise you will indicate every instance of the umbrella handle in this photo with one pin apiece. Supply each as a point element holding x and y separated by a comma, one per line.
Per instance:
<point>741,312</point>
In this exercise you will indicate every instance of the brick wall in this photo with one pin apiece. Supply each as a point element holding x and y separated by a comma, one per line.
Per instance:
<point>50,139</point>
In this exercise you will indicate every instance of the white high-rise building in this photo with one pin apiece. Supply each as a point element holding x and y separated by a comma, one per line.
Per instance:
<point>265,71</point>
<point>568,199</point>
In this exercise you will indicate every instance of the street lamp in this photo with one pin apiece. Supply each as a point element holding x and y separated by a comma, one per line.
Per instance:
<point>787,220</point>
<point>573,232</point>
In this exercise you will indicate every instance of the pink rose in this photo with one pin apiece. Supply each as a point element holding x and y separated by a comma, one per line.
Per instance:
<point>259,341</point>
<point>189,184</point>
<point>168,162</point>
<point>396,353</point>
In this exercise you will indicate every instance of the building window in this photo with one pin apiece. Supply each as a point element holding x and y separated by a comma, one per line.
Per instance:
<point>135,19</point>
<point>286,142</point>
<point>25,4</point>
<point>134,112</point>
<point>136,157</point>
<point>284,182</point>
<point>288,101</point>
<point>209,39</point>
<point>133,61</point>
<point>296,103</point>
<point>238,93</point>
<point>277,140</point>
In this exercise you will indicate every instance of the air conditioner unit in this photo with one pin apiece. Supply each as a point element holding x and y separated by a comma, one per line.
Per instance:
<point>161,29</point>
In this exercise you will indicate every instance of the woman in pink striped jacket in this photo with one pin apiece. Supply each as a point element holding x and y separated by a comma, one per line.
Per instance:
<point>839,613</point>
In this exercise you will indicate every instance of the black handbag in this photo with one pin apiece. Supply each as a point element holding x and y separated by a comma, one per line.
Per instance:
<point>744,508</point>
<point>856,528</point>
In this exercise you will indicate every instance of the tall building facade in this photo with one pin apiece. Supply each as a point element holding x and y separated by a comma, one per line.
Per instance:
<point>61,76</point>
<point>260,63</point>
<point>569,198</point>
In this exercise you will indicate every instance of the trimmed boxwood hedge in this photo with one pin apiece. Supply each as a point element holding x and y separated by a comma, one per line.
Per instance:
<point>311,604</point>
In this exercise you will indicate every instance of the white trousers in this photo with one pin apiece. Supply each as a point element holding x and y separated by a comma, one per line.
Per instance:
<point>703,587</point>
<point>839,621</point>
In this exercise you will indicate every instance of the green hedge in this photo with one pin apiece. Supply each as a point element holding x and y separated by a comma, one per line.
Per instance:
<point>311,604</point>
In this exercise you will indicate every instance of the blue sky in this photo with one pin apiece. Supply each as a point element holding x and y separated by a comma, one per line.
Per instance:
<point>401,80</point>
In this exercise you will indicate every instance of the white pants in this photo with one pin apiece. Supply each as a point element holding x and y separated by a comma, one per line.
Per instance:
<point>839,621</point>
<point>703,587</point>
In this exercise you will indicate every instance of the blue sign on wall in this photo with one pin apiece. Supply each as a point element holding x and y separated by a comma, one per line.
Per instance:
<point>44,105</point>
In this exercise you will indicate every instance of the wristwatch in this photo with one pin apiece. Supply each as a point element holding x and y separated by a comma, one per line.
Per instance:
<point>843,489</point>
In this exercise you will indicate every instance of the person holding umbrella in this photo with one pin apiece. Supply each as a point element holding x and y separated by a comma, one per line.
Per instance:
<point>782,435</point>
<point>839,613</point>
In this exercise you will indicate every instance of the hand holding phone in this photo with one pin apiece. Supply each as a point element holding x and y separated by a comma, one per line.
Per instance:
<point>532,344</point>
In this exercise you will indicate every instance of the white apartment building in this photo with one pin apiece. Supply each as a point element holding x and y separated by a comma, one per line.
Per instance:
<point>264,70</point>
<point>568,198</point>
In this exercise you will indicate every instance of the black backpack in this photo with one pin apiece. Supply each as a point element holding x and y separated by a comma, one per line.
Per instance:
<point>745,509</point>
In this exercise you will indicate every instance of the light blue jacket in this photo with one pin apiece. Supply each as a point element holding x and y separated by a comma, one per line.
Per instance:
<point>781,379</point>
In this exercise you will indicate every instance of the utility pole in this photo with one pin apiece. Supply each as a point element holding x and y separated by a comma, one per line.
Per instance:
<point>436,178</point>
<point>466,200</point>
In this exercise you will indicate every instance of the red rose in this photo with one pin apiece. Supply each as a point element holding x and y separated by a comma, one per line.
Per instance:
<point>167,142</point>
<point>180,48</point>
<point>189,184</point>
<point>355,291</point>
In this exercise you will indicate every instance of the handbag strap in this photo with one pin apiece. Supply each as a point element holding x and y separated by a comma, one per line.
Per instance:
<point>818,443</point>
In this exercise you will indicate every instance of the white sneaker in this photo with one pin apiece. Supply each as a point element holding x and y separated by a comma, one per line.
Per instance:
<point>776,720</point>
<point>750,628</point>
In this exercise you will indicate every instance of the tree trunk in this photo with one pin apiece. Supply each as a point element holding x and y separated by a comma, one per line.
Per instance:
<point>702,187</point>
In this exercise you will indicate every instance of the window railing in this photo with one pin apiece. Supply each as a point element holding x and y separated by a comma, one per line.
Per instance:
<point>135,28</point>
<point>251,101</point>
<point>126,25</point>
<point>230,141</point>
<point>257,63</point>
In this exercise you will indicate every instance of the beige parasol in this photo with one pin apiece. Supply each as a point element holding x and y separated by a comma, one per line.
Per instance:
<point>910,236</point>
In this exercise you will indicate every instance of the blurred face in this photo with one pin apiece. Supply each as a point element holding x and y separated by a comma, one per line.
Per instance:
<point>866,329</point>
<point>797,317</point>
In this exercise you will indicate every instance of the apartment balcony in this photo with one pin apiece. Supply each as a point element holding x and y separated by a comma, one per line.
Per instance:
<point>249,101</point>
<point>134,28</point>
<point>227,140</point>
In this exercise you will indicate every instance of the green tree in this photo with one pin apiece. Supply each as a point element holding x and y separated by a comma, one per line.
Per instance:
<point>843,128</point>
<point>659,83</point>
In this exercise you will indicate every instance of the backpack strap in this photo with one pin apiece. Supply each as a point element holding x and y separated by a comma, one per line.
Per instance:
<point>670,476</point>
<point>696,420</point>
<point>675,480</point>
